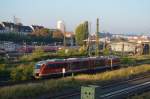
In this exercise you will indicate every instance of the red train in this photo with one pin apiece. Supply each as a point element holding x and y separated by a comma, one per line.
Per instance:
<point>30,49</point>
<point>59,66</point>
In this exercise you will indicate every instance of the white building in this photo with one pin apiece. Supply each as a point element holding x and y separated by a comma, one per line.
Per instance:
<point>61,26</point>
<point>128,47</point>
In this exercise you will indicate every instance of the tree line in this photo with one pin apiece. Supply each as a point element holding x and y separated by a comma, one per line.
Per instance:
<point>45,35</point>
<point>40,35</point>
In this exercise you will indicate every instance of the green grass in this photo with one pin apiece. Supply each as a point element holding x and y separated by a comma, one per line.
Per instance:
<point>116,74</point>
<point>51,87</point>
<point>140,57</point>
<point>31,90</point>
<point>145,95</point>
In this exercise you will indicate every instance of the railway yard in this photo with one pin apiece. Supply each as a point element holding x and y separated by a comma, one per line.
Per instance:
<point>110,77</point>
<point>75,49</point>
<point>111,85</point>
<point>115,90</point>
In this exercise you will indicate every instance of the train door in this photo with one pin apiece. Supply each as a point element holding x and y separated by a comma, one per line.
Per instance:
<point>91,64</point>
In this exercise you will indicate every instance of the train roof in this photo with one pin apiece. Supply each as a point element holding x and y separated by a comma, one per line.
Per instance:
<point>55,60</point>
<point>77,59</point>
<point>72,58</point>
<point>41,62</point>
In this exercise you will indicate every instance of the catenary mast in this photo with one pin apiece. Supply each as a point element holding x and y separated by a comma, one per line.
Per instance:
<point>97,38</point>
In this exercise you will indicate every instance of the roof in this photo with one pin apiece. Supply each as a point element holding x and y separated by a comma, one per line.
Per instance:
<point>17,27</point>
<point>55,60</point>
<point>123,43</point>
<point>37,27</point>
<point>8,24</point>
<point>41,62</point>
<point>77,59</point>
<point>69,34</point>
<point>1,27</point>
<point>24,29</point>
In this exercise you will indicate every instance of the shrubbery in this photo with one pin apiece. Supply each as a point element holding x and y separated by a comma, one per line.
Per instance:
<point>2,59</point>
<point>2,69</point>
<point>106,52</point>
<point>22,72</point>
<point>145,95</point>
<point>128,61</point>
<point>36,55</point>
<point>72,52</point>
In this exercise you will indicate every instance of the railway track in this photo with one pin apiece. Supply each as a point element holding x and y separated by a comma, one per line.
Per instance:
<point>10,83</point>
<point>4,83</point>
<point>115,93</point>
<point>126,91</point>
<point>77,92</point>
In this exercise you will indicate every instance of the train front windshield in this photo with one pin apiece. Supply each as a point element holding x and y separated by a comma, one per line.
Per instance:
<point>37,66</point>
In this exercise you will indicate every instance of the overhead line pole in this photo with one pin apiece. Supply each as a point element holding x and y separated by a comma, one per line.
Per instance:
<point>97,38</point>
<point>64,37</point>
<point>89,38</point>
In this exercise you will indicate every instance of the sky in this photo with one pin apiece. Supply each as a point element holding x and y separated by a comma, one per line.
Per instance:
<point>116,16</point>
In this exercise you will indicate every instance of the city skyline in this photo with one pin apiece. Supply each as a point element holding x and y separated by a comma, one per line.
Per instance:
<point>116,16</point>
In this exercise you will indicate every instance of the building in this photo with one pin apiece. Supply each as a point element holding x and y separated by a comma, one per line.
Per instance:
<point>37,27</point>
<point>69,38</point>
<point>120,46</point>
<point>7,27</point>
<point>17,20</point>
<point>8,46</point>
<point>1,28</point>
<point>139,39</point>
<point>61,26</point>
<point>24,29</point>
<point>129,48</point>
<point>144,41</point>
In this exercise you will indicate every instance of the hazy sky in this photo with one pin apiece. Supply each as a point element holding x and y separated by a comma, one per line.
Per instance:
<point>117,16</point>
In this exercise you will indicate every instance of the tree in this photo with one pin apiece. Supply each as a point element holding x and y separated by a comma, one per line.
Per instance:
<point>128,61</point>
<point>81,33</point>
<point>106,52</point>
<point>58,34</point>
<point>41,32</point>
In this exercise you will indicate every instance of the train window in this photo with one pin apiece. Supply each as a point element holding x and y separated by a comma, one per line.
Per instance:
<point>57,65</point>
<point>37,66</point>
<point>51,65</point>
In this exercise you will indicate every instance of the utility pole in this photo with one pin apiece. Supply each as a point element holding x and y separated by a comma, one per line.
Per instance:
<point>64,37</point>
<point>87,27</point>
<point>149,48</point>
<point>123,49</point>
<point>97,38</point>
<point>89,38</point>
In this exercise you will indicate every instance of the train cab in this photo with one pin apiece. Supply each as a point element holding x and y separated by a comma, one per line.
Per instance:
<point>37,68</point>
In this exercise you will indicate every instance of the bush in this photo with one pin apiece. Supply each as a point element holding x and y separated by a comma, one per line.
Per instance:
<point>2,59</point>
<point>128,61</point>
<point>34,90</point>
<point>145,95</point>
<point>72,52</point>
<point>36,55</point>
<point>106,52</point>
<point>83,50</point>
<point>2,69</point>
<point>22,72</point>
